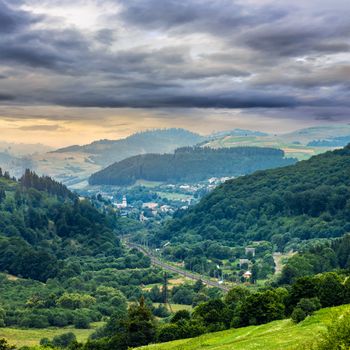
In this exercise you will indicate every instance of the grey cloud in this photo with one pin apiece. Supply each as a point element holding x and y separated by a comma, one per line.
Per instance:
<point>6,97</point>
<point>175,100</point>
<point>12,20</point>
<point>41,128</point>
<point>244,57</point>
<point>217,17</point>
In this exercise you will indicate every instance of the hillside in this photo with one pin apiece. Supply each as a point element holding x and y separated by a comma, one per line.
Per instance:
<point>301,144</point>
<point>42,223</point>
<point>277,335</point>
<point>190,165</point>
<point>310,199</point>
<point>105,152</point>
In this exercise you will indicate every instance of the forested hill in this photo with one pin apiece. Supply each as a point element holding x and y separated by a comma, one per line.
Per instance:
<point>190,164</point>
<point>310,199</point>
<point>42,223</point>
<point>106,152</point>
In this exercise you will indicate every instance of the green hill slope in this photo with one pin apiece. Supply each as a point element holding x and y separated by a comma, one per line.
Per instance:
<point>191,164</point>
<point>277,335</point>
<point>305,201</point>
<point>42,223</point>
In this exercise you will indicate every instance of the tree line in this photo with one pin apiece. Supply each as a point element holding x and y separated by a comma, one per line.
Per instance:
<point>190,164</point>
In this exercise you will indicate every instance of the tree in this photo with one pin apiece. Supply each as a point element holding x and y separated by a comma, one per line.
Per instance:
<point>260,308</point>
<point>331,290</point>
<point>64,340</point>
<point>181,315</point>
<point>141,328</point>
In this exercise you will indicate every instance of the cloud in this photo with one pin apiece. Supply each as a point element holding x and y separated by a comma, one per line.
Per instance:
<point>149,54</point>
<point>42,127</point>
<point>6,97</point>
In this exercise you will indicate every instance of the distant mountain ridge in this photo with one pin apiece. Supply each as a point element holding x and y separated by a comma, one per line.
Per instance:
<point>190,164</point>
<point>106,152</point>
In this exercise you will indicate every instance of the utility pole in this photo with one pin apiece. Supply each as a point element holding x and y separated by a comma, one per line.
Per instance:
<point>165,292</point>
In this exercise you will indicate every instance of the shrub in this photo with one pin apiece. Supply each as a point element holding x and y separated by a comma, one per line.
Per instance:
<point>181,315</point>
<point>161,311</point>
<point>4,345</point>
<point>298,315</point>
<point>81,321</point>
<point>45,342</point>
<point>168,332</point>
<point>34,321</point>
<point>64,340</point>
<point>309,305</point>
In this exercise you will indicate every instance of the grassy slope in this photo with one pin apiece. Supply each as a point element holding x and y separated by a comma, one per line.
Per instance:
<point>299,151</point>
<point>31,337</point>
<point>277,335</point>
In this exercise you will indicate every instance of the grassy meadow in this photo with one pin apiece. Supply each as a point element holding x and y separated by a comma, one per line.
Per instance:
<point>31,337</point>
<point>277,335</point>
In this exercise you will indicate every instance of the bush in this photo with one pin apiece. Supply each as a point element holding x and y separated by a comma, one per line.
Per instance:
<point>81,322</point>
<point>309,305</point>
<point>34,321</point>
<point>64,340</point>
<point>298,315</point>
<point>4,345</point>
<point>45,342</point>
<point>181,315</point>
<point>304,308</point>
<point>168,332</point>
<point>161,311</point>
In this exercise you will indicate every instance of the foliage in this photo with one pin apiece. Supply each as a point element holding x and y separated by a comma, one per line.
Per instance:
<point>190,164</point>
<point>337,335</point>
<point>285,206</point>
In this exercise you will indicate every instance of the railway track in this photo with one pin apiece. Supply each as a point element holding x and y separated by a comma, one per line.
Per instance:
<point>168,267</point>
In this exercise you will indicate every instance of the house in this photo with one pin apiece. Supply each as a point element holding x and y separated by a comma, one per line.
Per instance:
<point>243,262</point>
<point>247,275</point>
<point>249,250</point>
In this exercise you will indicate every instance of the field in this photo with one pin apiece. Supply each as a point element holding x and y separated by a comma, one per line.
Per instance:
<point>173,196</point>
<point>277,335</point>
<point>291,149</point>
<point>31,337</point>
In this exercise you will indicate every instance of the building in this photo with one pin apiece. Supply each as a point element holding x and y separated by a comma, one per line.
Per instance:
<point>247,275</point>
<point>123,204</point>
<point>243,262</point>
<point>249,250</point>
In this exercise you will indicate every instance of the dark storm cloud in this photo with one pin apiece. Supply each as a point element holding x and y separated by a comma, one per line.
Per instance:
<point>181,54</point>
<point>217,17</point>
<point>6,97</point>
<point>12,20</point>
<point>212,100</point>
<point>293,39</point>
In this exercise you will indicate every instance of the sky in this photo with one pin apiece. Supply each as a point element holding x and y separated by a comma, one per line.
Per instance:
<point>76,71</point>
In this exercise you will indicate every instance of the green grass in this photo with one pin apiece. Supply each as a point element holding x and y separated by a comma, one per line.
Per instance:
<point>31,337</point>
<point>147,183</point>
<point>173,196</point>
<point>177,307</point>
<point>277,335</point>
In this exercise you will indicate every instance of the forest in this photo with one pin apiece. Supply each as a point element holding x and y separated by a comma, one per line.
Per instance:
<point>285,206</point>
<point>191,164</point>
